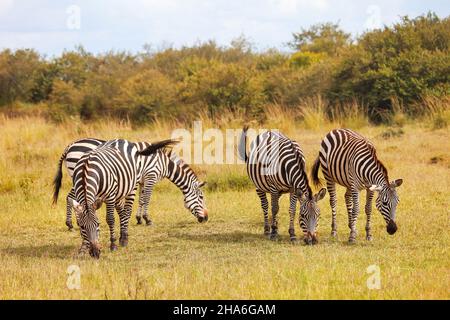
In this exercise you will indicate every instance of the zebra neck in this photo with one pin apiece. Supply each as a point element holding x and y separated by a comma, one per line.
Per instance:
<point>301,182</point>
<point>378,180</point>
<point>379,176</point>
<point>178,176</point>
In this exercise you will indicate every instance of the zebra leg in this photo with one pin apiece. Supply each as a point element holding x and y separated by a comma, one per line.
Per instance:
<point>110,220</point>
<point>349,203</point>
<point>69,198</point>
<point>275,208</point>
<point>265,206</point>
<point>124,217</point>
<point>368,208</point>
<point>292,208</point>
<point>139,210</point>
<point>331,186</point>
<point>354,216</point>
<point>146,195</point>
<point>85,245</point>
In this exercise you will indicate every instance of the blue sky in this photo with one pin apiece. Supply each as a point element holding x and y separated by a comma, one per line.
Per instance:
<point>100,25</point>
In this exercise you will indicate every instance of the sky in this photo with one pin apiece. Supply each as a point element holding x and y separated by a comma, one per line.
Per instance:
<point>101,25</point>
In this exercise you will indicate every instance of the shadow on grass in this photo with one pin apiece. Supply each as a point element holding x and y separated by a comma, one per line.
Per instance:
<point>45,251</point>
<point>229,237</point>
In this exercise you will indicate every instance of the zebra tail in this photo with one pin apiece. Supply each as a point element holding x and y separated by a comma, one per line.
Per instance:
<point>315,173</point>
<point>58,177</point>
<point>154,147</point>
<point>242,149</point>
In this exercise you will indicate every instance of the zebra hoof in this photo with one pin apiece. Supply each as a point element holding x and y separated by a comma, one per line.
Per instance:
<point>113,247</point>
<point>273,236</point>
<point>294,241</point>
<point>149,223</point>
<point>123,242</point>
<point>334,234</point>
<point>351,241</point>
<point>369,238</point>
<point>139,220</point>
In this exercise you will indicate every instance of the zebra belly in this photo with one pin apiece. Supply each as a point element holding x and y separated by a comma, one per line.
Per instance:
<point>268,183</point>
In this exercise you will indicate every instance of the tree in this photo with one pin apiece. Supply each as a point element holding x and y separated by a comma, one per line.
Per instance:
<point>18,70</point>
<point>320,38</point>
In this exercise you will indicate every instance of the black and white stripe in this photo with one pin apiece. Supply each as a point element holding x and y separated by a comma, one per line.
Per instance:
<point>170,166</point>
<point>72,153</point>
<point>347,158</point>
<point>154,168</point>
<point>108,174</point>
<point>276,165</point>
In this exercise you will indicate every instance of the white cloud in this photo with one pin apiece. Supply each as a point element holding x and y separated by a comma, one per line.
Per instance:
<point>5,6</point>
<point>290,7</point>
<point>159,4</point>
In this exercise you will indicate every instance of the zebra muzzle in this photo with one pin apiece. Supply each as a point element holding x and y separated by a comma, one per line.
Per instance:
<point>311,239</point>
<point>391,227</point>
<point>203,217</point>
<point>94,250</point>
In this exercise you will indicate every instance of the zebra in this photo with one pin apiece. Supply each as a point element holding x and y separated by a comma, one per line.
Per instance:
<point>107,174</point>
<point>276,165</point>
<point>170,166</point>
<point>349,159</point>
<point>155,169</point>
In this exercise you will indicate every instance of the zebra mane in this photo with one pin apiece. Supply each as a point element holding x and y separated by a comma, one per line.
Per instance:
<point>84,175</point>
<point>180,163</point>
<point>302,168</point>
<point>383,170</point>
<point>380,164</point>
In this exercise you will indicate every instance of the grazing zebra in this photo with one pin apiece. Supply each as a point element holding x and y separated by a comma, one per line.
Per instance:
<point>155,168</point>
<point>72,153</point>
<point>350,160</point>
<point>108,174</point>
<point>170,166</point>
<point>276,165</point>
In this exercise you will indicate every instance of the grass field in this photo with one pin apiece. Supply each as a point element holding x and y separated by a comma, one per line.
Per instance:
<point>227,258</point>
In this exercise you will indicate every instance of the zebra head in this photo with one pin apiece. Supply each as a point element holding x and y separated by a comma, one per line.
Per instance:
<point>387,202</point>
<point>309,215</point>
<point>89,225</point>
<point>195,201</point>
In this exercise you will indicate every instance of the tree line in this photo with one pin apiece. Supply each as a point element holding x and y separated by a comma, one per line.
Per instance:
<point>405,62</point>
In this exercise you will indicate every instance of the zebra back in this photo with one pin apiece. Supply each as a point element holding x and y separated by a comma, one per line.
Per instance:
<point>277,164</point>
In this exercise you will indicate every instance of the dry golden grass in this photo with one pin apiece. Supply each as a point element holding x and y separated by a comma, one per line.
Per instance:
<point>228,257</point>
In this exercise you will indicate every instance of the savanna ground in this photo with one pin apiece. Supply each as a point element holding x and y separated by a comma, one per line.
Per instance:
<point>227,258</point>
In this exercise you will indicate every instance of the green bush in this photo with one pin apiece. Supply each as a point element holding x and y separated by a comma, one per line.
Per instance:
<point>224,86</point>
<point>145,96</point>
<point>398,65</point>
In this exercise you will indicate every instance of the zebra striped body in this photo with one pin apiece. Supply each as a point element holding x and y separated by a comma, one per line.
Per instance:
<point>154,168</point>
<point>348,159</point>
<point>170,166</point>
<point>107,174</point>
<point>276,165</point>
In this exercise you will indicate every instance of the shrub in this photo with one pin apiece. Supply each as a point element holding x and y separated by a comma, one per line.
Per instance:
<point>224,86</point>
<point>146,96</point>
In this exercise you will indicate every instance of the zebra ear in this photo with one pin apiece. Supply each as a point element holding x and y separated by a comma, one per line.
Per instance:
<point>374,187</point>
<point>300,195</point>
<point>202,184</point>
<point>396,183</point>
<point>77,206</point>
<point>319,196</point>
<point>98,204</point>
